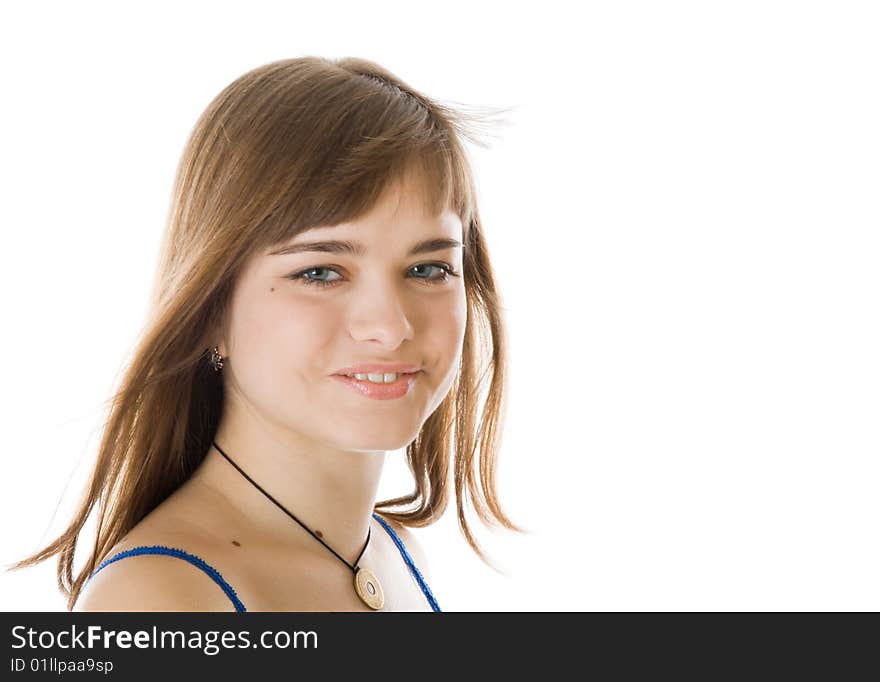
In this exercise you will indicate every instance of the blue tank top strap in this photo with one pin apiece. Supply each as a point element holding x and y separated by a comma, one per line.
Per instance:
<point>409,562</point>
<point>180,554</point>
<point>214,574</point>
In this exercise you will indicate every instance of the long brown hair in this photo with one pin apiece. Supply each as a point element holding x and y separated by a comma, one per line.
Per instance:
<point>289,145</point>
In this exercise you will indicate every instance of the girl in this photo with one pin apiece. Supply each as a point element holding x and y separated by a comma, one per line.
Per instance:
<point>324,294</point>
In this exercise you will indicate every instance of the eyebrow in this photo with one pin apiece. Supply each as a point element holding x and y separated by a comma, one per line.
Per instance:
<point>357,249</point>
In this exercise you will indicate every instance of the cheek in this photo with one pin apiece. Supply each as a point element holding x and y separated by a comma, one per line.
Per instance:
<point>444,331</point>
<point>283,341</point>
<point>305,317</point>
<point>301,332</point>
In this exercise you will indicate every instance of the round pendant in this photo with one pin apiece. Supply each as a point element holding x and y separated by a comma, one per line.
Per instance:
<point>368,588</point>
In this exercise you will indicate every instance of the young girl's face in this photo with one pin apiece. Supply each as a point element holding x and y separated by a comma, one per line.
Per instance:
<point>300,317</point>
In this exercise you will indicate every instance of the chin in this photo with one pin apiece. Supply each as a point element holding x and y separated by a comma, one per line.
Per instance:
<point>365,441</point>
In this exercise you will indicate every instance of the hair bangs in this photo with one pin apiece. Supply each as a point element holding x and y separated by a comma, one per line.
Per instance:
<point>359,178</point>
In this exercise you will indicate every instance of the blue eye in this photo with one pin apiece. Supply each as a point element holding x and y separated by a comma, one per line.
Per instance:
<point>445,271</point>
<point>305,276</point>
<point>314,282</point>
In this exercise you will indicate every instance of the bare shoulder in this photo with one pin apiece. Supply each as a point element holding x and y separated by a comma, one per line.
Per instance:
<point>161,581</point>
<point>412,545</point>
<point>152,582</point>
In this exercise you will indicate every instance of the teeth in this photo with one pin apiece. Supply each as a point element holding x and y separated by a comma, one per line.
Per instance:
<point>378,378</point>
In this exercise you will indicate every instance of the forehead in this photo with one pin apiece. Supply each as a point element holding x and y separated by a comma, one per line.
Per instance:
<point>402,228</point>
<point>402,217</point>
<point>404,208</point>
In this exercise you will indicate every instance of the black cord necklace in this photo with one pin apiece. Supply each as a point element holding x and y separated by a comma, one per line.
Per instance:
<point>365,583</point>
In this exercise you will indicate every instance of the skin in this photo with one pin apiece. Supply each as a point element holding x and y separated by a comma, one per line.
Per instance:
<point>315,445</point>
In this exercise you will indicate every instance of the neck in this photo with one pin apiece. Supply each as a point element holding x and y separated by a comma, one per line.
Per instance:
<point>332,492</point>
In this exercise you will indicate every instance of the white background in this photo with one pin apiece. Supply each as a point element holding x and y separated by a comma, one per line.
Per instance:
<point>683,214</point>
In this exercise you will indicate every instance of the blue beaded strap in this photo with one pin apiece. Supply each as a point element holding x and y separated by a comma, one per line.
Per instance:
<point>180,554</point>
<point>409,562</point>
<point>230,592</point>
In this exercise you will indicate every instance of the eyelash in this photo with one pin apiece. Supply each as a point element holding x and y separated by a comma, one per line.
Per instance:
<point>446,269</point>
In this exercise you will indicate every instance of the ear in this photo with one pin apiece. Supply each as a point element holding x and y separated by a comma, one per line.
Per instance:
<point>211,338</point>
<point>215,335</point>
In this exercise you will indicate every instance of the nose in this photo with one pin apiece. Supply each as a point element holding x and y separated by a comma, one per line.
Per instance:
<point>379,314</point>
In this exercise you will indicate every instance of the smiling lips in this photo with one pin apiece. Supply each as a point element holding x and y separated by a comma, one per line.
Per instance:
<point>379,367</point>
<point>398,387</point>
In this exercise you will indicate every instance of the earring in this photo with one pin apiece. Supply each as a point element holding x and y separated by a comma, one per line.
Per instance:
<point>216,359</point>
